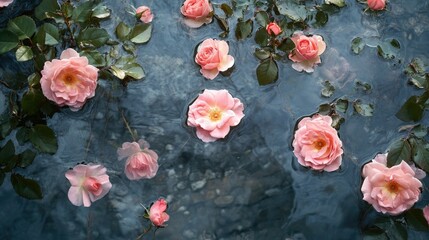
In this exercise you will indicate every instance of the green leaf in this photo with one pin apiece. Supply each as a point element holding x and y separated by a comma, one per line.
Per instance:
<point>363,109</point>
<point>134,70</point>
<point>420,153</point>
<point>395,43</point>
<point>226,9</point>
<point>8,40</point>
<point>262,54</point>
<point>321,18</point>
<point>47,34</point>
<point>325,109</point>
<point>92,37</point>
<point>25,187</point>
<point>83,12</point>
<point>7,152</point>
<point>43,139</point>
<point>141,33</point>
<point>23,27</point>
<point>95,58</point>
<point>357,45</point>
<point>45,7</point>
<point>388,49</point>
<point>26,158</point>
<point>122,31</point>
<point>341,105</point>
<point>24,53</point>
<point>412,110</point>
<point>416,220</point>
<point>398,151</point>
<point>294,11</point>
<point>420,81</point>
<point>417,66</point>
<point>32,101</point>
<point>286,45</point>
<point>100,11</point>
<point>420,131</point>
<point>119,73</point>
<point>338,3</point>
<point>261,37</point>
<point>267,72</point>
<point>328,89</point>
<point>244,29</point>
<point>262,18</point>
<point>23,135</point>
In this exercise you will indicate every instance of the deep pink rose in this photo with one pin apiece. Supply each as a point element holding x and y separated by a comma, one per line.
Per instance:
<point>273,28</point>
<point>5,3</point>
<point>316,144</point>
<point>390,190</point>
<point>157,214</point>
<point>145,14</point>
<point>213,113</point>
<point>426,213</point>
<point>88,184</point>
<point>212,56</point>
<point>141,161</point>
<point>307,51</point>
<point>376,4</point>
<point>69,81</point>
<point>197,12</point>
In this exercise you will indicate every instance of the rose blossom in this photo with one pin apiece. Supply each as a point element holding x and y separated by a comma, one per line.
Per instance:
<point>212,56</point>
<point>317,145</point>
<point>5,3</point>
<point>197,12</point>
<point>141,161</point>
<point>307,51</point>
<point>376,4</point>
<point>390,190</point>
<point>157,214</point>
<point>145,14</point>
<point>89,183</point>
<point>273,28</point>
<point>426,213</point>
<point>69,81</point>
<point>213,113</point>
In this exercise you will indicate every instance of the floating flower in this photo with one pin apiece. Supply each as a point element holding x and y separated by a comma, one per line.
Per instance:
<point>273,28</point>
<point>307,51</point>
<point>88,184</point>
<point>426,213</point>
<point>390,190</point>
<point>317,145</point>
<point>157,214</point>
<point>5,3</point>
<point>69,81</point>
<point>213,113</point>
<point>376,5</point>
<point>141,161</point>
<point>144,13</point>
<point>197,12</point>
<point>212,56</point>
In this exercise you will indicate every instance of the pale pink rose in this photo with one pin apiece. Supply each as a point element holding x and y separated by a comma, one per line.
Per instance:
<point>307,51</point>
<point>316,144</point>
<point>69,81</point>
<point>88,184</point>
<point>5,3</point>
<point>390,190</point>
<point>213,113</point>
<point>145,14</point>
<point>376,4</point>
<point>157,214</point>
<point>273,28</point>
<point>426,213</point>
<point>141,161</point>
<point>197,12</point>
<point>212,56</point>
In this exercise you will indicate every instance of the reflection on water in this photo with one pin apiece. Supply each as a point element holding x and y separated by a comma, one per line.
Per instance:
<point>248,186</point>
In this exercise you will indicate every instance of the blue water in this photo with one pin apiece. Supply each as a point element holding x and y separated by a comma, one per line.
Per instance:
<point>248,186</point>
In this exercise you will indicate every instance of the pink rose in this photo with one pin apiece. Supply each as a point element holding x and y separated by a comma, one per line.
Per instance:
<point>317,145</point>
<point>213,113</point>
<point>390,190</point>
<point>5,3</point>
<point>88,184</point>
<point>141,161</point>
<point>273,28</point>
<point>376,4</point>
<point>157,214</point>
<point>197,12</point>
<point>307,51</point>
<point>69,81</point>
<point>212,56</point>
<point>145,14</point>
<point>426,213</point>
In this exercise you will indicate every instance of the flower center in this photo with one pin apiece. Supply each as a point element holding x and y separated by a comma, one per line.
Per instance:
<point>92,185</point>
<point>215,114</point>
<point>392,186</point>
<point>319,144</point>
<point>69,79</point>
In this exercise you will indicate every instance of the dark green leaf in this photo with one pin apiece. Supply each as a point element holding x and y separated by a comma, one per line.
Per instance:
<point>7,152</point>
<point>337,120</point>
<point>24,53</point>
<point>2,176</point>
<point>92,37</point>
<point>325,109</point>
<point>244,29</point>
<point>420,131</point>
<point>412,110</point>
<point>387,50</point>
<point>23,27</point>
<point>293,10</point>
<point>286,45</point>
<point>129,47</point>
<point>341,105</point>
<point>8,40</point>
<point>122,31</point>
<point>416,220</point>
<point>141,33</point>
<point>398,151</point>
<point>34,79</point>
<point>420,153</point>
<point>100,11</point>
<point>261,37</point>
<point>44,139</point>
<point>47,34</point>
<point>25,187</point>
<point>23,135</point>
<point>321,18</point>
<point>363,109</point>
<point>95,58</point>
<point>83,12</point>
<point>226,9</point>
<point>46,6</point>
<point>357,45</point>
<point>26,158</point>
<point>328,89</point>
<point>395,43</point>
<point>32,101</point>
<point>262,54</point>
<point>267,72</point>
<point>262,18</point>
